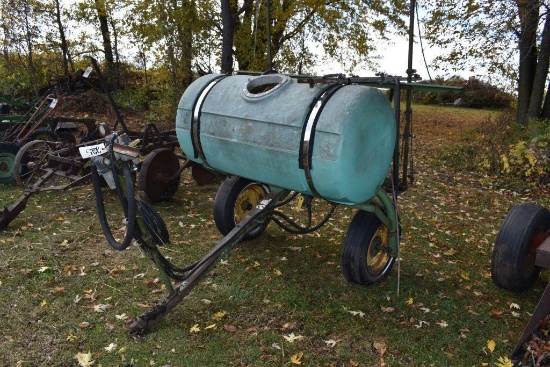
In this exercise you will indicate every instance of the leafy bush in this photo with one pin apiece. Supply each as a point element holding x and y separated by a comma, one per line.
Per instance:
<point>475,94</point>
<point>529,157</point>
<point>503,147</point>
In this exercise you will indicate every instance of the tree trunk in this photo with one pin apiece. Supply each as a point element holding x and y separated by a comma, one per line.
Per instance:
<point>30,61</point>
<point>107,47</point>
<point>185,32</point>
<point>64,47</point>
<point>228,34</point>
<point>529,15</point>
<point>539,83</point>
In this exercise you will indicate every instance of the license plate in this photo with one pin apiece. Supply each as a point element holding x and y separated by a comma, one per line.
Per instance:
<point>92,150</point>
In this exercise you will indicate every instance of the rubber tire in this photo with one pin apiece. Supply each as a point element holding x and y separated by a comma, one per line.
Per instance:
<point>513,260</point>
<point>8,151</point>
<point>225,202</point>
<point>353,261</point>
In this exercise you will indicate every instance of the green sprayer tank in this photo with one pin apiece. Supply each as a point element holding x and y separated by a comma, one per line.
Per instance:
<point>330,140</point>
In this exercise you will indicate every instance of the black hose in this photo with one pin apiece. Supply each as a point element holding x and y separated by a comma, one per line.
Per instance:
<point>129,204</point>
<point>120,193</point>
<point>153,222</point>
<point>295,228</point>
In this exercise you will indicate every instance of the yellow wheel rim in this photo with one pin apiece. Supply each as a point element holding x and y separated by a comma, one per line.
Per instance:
<point>248,199</point>
<point>377,255</point>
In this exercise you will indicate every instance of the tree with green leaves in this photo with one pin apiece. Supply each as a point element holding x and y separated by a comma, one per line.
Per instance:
<point>173,32</point>
<point>479,34</point>
<point>347,31</point>
<point>101,14</point>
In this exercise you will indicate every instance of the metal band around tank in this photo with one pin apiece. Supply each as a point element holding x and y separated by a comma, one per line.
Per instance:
<point>195,121</point>
<point>308,133</point>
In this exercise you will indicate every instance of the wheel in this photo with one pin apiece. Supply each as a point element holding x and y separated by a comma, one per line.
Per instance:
<point>513,262</point>
<point>157,175</point>
<point>8,152</point>
<point>235,198</point>
<point>41,134</point>
<point>365,254</point>
<point>66,137</point>
<point>28,162</point>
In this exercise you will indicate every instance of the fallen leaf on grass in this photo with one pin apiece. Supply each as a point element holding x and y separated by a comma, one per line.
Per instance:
<point>43,269</point>
<point>213,326</point>
<point>357,313</point>
<point>84,359</point>
<point>504,362</point>
<point>442,323</point>
<point>219,315</point>
<point>195,329</point>
<point>72,338</point>
<point>491,345</point>
<point>380,348</point>
<point>121,317</point>
<point>449,252</point>
<point>291,337</point>
<point>287,326</point>
<point>331,343</point>
<point>102,307</point>
<point>387,309</point>
<point>110,348</point>
<point>422,323</point>
<point>277,272</point>
<point>230,328</point>
<point>297,358</point>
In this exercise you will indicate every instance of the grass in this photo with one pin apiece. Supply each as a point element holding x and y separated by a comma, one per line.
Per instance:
<point>56,270</point>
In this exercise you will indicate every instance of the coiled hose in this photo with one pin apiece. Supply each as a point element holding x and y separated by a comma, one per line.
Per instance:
<point>128,204</point>
<point>151,220</point>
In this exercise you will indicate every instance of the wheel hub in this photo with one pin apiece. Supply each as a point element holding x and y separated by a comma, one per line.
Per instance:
<point>247,200</point>
<point>377,256</point>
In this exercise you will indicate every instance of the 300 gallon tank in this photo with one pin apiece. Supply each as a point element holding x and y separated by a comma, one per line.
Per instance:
<point>332,141</point>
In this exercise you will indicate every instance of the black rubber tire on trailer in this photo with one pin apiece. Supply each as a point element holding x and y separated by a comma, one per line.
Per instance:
<point>8,151</point>
<point>522,232</point>
<point>235,198</point>
<point>364,258</point>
